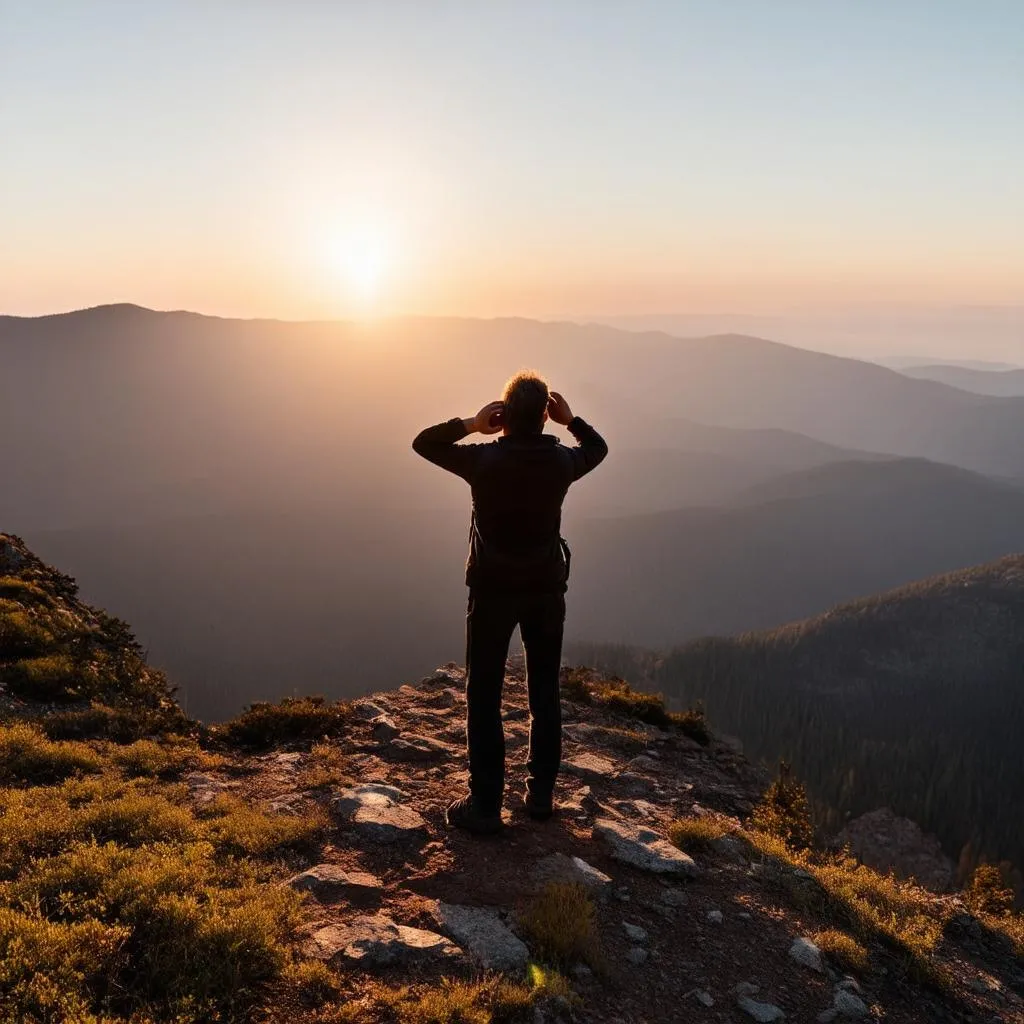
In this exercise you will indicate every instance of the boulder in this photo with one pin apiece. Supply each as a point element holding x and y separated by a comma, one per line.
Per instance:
<point>482,933</point>
<point>589,766</point>
<point>374,811</point>
<point>849,1004</point>
<point>327,882</point>
<point>368,710</point>
<point>557,867</point>
<point>641,848</point>
<point>383,729</point>
<point>807,954</point>
<point>374,942</point>
<point>764,1013</point>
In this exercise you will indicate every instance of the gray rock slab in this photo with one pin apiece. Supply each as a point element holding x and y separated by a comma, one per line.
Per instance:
<point>391,824</point>
<point>763,1013</point>
<point>374,942</point>
<point>418,748</point>
<point>590,766</point>
<point>383,729</point>
<point>482,933</point>
<point>368,709</point>
<point>849,1004</point>
<point>644,849</point>
<point>328,882</point>
<point>806,953</point>
<point>370,794</point>
<point>558,867</point>
<point>635,933</point>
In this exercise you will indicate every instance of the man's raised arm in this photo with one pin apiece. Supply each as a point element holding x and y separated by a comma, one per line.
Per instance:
<point>439,444</point>
<point>590,449</point>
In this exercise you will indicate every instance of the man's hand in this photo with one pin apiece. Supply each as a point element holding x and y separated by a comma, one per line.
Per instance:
<point>488,420</point>
<point>558,409</point>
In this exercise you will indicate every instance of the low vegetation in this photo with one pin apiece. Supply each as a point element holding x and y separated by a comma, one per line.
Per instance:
<point>120,902</point>
<point>616,695</point>
<point>695,835</point>
<point>294,720</point>
<point>843,950</point>
<point>561,926</point>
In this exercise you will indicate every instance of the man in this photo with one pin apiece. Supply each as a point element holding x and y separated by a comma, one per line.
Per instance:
<point>517,574</point>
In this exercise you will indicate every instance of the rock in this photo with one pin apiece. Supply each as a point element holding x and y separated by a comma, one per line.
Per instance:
<point>764,1013</point>
<point>390,824</point>
<point>204,789</point>
<point>623,895</point>
<point>885,842</point>
<point>383,729</point>
<point>746,988</point>
<point>849,1004</point>
<point>826,1016</point>
<point>637,809</point>
<point>589,766</point>
<point>644,849</point>
<point>637,955</point>
<point>731,848</point>
<point>807,954</point>
<point>373,942</point>
<point>417,748</point>
<point>288,761</point>
<point>557,867</point>
<point>674,898</point>
<point>288,803</point>
<point>581,972</point>
<point>635,933</point>
<point>480,931</point>
<point>715,917</point>
<point>368,710</point>
<point>515,714</point>
<point>329,881</point>
<point>373,809</point>
<point>370,794</point>
<point>704,998</point>
<point>644,763</point>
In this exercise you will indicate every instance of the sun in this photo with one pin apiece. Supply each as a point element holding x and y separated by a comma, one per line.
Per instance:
<point>364,260</point>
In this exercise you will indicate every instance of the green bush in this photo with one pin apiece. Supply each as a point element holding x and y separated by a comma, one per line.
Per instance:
<point>26,755</point>
<point>292,720</point>
<point>785,812</point>
<point>21,634</point>
<point>52,677</point>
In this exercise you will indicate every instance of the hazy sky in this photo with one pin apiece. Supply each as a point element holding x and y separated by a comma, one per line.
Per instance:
<point>307,159</point>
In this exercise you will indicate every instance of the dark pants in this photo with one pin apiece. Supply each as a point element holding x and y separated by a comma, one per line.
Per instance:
<point>490,621</point>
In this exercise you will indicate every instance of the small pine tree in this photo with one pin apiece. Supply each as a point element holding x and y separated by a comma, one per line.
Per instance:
<point>987,892</point>
<point>785,811</point>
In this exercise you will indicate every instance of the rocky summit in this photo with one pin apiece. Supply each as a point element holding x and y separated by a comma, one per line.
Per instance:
<point>293,864</point>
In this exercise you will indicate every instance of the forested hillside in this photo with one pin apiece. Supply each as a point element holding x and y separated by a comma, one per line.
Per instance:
<point>913,700</point>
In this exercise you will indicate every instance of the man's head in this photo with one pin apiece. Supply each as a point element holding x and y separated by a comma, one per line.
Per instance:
<point>526,404</point>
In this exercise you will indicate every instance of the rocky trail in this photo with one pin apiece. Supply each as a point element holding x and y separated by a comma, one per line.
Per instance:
<point>397,895</point>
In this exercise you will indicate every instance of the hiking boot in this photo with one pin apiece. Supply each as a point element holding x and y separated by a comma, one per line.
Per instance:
<point>539,806</point>
<point>466,815</point>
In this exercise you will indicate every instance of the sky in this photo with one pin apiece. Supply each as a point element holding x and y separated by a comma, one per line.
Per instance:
<point>310,159</point>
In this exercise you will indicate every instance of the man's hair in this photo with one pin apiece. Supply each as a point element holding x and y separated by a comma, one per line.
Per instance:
<point>525,398</point>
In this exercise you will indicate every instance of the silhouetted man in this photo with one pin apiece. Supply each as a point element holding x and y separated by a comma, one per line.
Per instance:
<point>517,574</point>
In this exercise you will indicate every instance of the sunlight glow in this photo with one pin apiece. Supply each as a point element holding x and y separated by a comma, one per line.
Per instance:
<point>364,259</point>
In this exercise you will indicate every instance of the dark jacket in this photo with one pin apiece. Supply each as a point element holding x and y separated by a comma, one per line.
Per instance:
<point>518,484</point>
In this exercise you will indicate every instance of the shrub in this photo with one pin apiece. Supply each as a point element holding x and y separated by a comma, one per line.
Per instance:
<point>20,633</point>
<point>241,829</point>
<point>618,696</point>
<point>491,1001</point>
<point>561,927</point>
<point>52,677</point>
<point>313,981</point>
<point>24,592</point>
<point>146,757</point>
<point>26,755</point>
<point>844,950</point>
<point>785,812</point>
<point>693,835</point>
<point>988,893</point>
<point>293,720</point>
<point>117,724</point>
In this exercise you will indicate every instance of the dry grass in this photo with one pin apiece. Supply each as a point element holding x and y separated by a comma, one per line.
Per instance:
<point>329,768</point>
<point>560,926</point>
<point>695,835</point>
<point>27,756</point>
<point>163,759</point>
<point>292,720</point>
<point>843,950</point>
<point>618,696</point>
<point>490,1001</point>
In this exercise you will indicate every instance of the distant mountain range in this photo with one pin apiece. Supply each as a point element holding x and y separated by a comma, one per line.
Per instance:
<point>244,491</point>
<point>1005,383</point>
